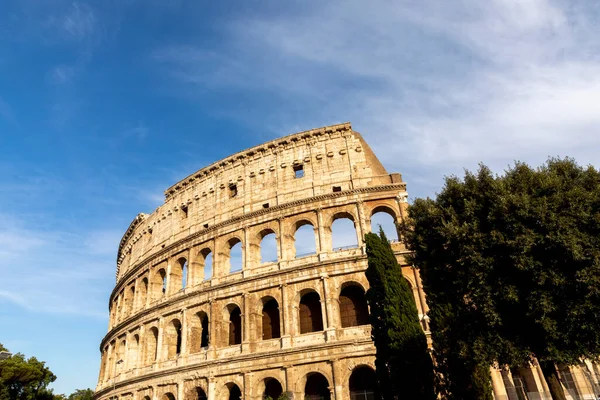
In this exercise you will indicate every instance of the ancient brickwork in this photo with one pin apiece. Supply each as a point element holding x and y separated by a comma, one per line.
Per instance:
<point>188,320</point>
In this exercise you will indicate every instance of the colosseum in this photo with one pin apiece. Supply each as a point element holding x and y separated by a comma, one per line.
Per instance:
<point>248,282</point>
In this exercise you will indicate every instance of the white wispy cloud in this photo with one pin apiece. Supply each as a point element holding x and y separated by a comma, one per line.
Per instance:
<point>433,85</point>
<point>52,271</point>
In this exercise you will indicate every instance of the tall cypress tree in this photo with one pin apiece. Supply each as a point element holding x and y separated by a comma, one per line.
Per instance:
<point>403,365</point>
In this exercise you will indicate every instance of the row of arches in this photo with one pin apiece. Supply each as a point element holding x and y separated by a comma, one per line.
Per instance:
<point>164,279</point>
<point>361,386</point>
<point>353,311</point>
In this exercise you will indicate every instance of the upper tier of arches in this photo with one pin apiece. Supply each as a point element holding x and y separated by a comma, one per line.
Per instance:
<point>306,237</point>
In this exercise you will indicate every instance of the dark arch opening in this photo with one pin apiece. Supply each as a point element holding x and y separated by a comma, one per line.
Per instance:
<point>362,384</point>
<point>316,388</point>
<point>273,389</point>
<point>200,394</point>
<point>353,307</point>
<point>234,392</point>
<point>311,318</point>
<point>168,396</point>
<point>235,326</point>
<point>204,335</point>
<point>270,320</point>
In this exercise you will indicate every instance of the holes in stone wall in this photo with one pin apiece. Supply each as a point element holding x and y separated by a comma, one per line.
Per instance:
<point>270,320</point>
<point>235,255</point>
<point>384,218</point>
<point>343,233</point>
<point>268,248</point>
<point>304,239</point>
<point>353,307</point>
<point>310,315</point>
<point>298,171</point>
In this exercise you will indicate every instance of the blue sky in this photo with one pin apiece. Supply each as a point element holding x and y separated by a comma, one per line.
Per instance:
<point>104,104</point>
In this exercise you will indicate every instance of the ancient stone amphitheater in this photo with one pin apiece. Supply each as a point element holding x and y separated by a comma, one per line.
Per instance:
<point>199,311</point>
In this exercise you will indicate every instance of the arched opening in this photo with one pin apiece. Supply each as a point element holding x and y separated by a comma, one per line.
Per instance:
<point>353,307</point>
<point>235,325</point>
<point>384,217</point>
<point>270,320</point>
<point>362,384</point>
<point>159,283</point>
<point>132,352</point>
<point>120,356</point>
<point>316,388</point>
<point>184,275</point>
<point>143,293</point>
<point>235,255</point>
<point>206,258</point>
<point>200,394</point>
<point>199,332</point>
<point>273,389</point>
<point>151,345</point>
<point>173,339</point>
<point>304,239</point>
<point>343,233</point>
<point>268,248</point>
<point>168,396</point>
<point>234,392</point>
<point>311,317</point>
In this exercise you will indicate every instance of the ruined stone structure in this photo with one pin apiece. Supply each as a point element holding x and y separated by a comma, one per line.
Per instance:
<point>191,320</point>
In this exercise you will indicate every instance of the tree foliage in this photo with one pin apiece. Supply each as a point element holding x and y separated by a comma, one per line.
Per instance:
<point>511,265</point>
<point>24,379</point>
<point>403,365</point>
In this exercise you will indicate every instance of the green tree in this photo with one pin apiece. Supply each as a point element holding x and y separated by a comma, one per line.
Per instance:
<point>403,366</point>
<point>81,394</point>
<point>514,262</point>
<point>24,379</point>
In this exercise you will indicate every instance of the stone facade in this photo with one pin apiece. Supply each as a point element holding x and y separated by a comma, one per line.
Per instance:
<point>185,323</point>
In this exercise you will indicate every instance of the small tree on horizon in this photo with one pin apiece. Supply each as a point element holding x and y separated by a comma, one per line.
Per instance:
<point>404,367</point>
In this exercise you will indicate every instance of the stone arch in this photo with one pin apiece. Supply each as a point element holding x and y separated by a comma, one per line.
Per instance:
<point>173,338</point>
<point>343,231</point>
<point>268,246</point>
<point>316,386</point>
<point>159,283</point>
<point>176,277</point>
<point>205,264</point>
<point>168,396</point>
<point>200,394</point>
<point>151,345</point>
<point>362,383</point>
<point>232,391</point>
<point>199,332</point>
<point>142,293</point>
<point>305,238</point>
<point>385,216</point>
<point>310,314</point>
<point>234,257</point>
<point>233,318</point>
<point>270,326</point>
<point>271,388</point>
<point>133,352</point>
<point>353,307</point>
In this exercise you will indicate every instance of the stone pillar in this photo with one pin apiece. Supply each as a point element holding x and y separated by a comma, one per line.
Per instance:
<point>184,331</point>
<point>245,322</point>
<point>322,245</point>
<point>180,393</point>
<point>248,258</point>
<point>126,362</point>
<point>286,317</point>
<point>212,328</point>
<point>168,289</point>
<point>289,383</point>
<point>159,340</point>
<point>337,384</point>
<point>329,324</point>
<point>541,377</point>
<point>361,225</point>
<point>211,388</point>
<point>140,361</point>
<point>282,243</point>
<point>498,384</point>
<point>247,389</point>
